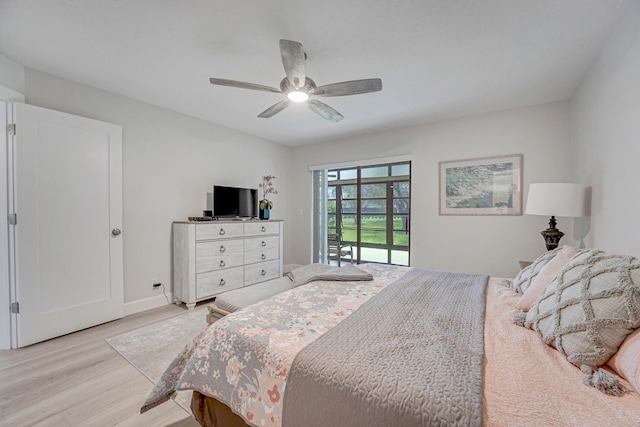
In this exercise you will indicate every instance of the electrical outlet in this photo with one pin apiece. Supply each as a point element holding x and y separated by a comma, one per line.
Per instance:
<point>155,284</point>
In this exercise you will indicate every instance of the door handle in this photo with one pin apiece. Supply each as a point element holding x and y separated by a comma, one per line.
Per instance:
<point>116,232</point>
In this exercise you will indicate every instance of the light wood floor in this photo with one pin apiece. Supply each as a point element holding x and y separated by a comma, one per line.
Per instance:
<point>79,380</point>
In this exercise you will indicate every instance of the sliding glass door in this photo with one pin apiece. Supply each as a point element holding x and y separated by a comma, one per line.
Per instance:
<point>369,208</point>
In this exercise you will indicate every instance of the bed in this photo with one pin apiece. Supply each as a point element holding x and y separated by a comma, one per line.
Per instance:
<point>319,354</point>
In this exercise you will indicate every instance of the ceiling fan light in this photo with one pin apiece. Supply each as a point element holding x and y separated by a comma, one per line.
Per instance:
<point>298,96</point>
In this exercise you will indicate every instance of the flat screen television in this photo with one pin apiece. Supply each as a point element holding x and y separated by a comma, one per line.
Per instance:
<point>231,202</point>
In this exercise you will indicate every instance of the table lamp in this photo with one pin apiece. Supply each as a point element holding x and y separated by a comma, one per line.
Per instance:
<point>555,199</point>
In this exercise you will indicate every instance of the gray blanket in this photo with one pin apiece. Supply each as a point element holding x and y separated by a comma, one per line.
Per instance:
<point>316,272</point>
<point>411,356</point>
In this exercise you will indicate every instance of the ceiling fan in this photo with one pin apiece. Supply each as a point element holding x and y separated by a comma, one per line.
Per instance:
<point>300,88</point>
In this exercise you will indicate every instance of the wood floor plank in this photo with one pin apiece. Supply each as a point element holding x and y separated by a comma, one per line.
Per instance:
<point>79,380</point>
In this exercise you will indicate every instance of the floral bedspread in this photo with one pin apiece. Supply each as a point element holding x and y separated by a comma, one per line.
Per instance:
<point>243,359</point>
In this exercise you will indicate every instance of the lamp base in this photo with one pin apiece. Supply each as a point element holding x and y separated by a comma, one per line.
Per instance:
<point>552,235</point>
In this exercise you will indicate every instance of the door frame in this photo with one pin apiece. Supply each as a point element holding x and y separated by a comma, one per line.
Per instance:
<point>358,182</point>
<point>5,291</point>
<point>8,337</point>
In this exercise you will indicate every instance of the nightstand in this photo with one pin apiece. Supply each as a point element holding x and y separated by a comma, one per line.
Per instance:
<point>524,264</point>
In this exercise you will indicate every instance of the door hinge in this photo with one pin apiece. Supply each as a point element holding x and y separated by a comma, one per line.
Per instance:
<point>13,219</point>
<point>15,307</point>
<point>11,129</point>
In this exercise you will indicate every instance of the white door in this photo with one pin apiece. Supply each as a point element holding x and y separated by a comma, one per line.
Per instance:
<point>67,197</point>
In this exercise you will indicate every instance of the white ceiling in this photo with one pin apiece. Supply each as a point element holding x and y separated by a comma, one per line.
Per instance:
<point>437,59</point>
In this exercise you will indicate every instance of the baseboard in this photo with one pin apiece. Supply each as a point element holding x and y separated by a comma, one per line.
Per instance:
<point>147,304</point>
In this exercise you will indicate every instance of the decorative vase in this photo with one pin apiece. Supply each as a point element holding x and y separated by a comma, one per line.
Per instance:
<point>264,213</point>
<point>265,208</point>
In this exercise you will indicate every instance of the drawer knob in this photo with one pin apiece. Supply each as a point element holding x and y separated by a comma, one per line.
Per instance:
<point>264,228</point>
<point>222,264</point>
<point>263,256</point>
<point>222,232</point>
<point>222,248</point>
<point>264,243</point>
<point>222,282</point>
<point>264,272</point>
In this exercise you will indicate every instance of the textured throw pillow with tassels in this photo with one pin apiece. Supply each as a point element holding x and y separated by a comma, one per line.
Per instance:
<point>525,277</point>
<point>587,311</point>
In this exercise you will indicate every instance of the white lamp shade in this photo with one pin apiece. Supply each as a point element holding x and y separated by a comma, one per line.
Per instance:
<point>556,199</point>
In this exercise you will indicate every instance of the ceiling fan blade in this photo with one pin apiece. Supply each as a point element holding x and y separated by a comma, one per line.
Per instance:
<point>323,110</point>
<point>243,85</point>
<point>274,109</point>
<point>352,87</point>
<point>293,61</point>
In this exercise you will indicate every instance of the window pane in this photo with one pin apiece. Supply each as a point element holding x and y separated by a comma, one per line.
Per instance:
<point>349,206</point>
<point>401,238</point>
<point>332,175</point>
<point>374,255</point>
<point>400,170</point>
<point>370,191</point>
<point>331,206</point>
<point>331,192</point>
<point>349,191</point>
<point>375,237</point>
<point>349,235</point>
<point>401,206</point>
<point>349,221</point>
<point>374,206</point>
<point>348,174</point>
<point>374,222</point>
<point>401,189</point>
<point>375,172</point>
<point>331,221</point>
<point>400,222</point>
<point>400,257</point>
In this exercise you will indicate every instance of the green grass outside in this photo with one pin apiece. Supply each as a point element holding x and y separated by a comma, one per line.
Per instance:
<point>374,236</point>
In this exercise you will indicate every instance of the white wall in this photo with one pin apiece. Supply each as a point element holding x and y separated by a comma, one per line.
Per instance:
<point>480,244</point>
<point>170,162</point>
<point>605,143</point>
<point>11,79</point>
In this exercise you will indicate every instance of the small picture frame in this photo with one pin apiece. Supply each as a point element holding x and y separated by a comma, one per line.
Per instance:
<point>484,186</point>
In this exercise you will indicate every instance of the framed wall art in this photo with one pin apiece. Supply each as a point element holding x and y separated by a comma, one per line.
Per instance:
<point>486,186</point>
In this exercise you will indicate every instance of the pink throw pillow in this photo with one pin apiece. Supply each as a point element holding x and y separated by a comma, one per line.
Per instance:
<point>626,362</point>
<point>545,277</point>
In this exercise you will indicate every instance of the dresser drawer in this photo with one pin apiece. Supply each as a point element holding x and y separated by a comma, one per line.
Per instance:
<point>217,255</point>
<point>261,249</point>
<point>261,272</point>
<point>214,282</point>
<point>218,231</point>
<point>261,228</point>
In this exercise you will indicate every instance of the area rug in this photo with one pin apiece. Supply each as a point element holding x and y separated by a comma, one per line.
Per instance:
<point>151,349</point>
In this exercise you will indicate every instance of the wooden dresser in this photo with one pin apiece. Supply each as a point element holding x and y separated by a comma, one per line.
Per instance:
<point>216,256</point>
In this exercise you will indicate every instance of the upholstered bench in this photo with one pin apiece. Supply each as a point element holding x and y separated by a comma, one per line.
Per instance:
<point>234,300</point>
